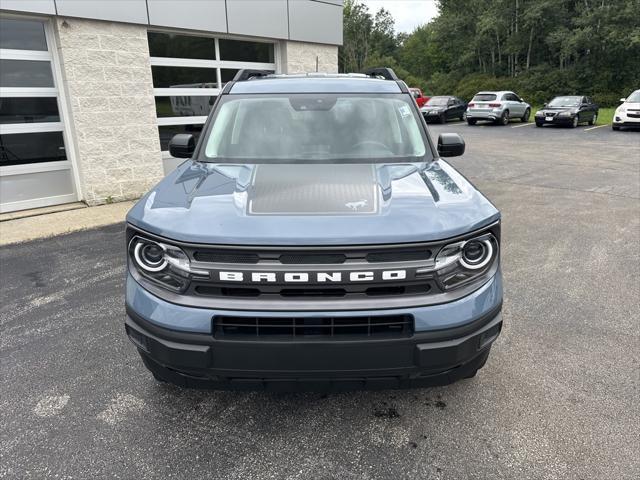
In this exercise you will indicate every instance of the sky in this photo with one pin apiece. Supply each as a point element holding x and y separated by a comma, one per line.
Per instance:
<point>408,14</point>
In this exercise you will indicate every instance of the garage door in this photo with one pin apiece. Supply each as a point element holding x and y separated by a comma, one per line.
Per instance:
<point>35,164</point>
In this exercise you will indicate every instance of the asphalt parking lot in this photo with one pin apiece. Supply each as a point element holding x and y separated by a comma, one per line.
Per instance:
<point>558,398</point>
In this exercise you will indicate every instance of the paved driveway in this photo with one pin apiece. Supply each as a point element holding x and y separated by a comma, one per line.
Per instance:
<point>557,399</point>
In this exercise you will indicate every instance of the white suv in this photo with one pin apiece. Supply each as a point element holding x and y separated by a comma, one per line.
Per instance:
<point>497,107</point>
<point>628,114</point>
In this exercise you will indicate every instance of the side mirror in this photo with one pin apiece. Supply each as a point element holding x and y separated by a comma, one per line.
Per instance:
<point>544,104</point>
<point>182,145</point>
<point>450,145</point>
<point>623,100</point>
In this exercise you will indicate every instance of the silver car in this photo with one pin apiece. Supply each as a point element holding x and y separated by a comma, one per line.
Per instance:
<point>497,107</point>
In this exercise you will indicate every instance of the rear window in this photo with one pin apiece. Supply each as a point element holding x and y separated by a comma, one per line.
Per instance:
<point>484,97</point>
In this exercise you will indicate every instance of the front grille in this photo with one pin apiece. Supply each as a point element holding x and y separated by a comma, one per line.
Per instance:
<point>296,257</point>
<point>277,261</point>
<point>300,328</point>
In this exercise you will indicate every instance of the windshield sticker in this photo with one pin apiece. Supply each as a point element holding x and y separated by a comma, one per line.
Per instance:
<point>404,111</point>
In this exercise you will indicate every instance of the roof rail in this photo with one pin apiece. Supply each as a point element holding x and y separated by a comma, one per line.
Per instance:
<point>247,74</point>
<point>384,72</point>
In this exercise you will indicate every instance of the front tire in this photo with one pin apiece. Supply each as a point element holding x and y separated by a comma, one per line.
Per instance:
<point>504,118</point>
<point>525,117</point>
<point>471,122</point>
<point>575,122</point>
<point>594,119</point>
<point>442,119</point>
<point>539,124</point>
<point>615,127</point>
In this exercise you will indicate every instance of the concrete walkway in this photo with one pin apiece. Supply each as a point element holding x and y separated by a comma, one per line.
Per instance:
<point>44,223</point>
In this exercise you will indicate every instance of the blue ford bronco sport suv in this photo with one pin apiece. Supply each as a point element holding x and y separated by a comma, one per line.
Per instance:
<point>313,239</point>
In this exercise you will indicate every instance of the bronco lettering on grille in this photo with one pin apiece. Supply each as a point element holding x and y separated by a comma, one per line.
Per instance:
<point>315,277</point>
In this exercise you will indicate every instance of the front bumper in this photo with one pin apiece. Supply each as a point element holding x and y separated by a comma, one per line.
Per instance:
<point>555,120</point>
<point>624,120</point>
<point>432,115</point>
<point>425,359</point>
<point>450,342</point>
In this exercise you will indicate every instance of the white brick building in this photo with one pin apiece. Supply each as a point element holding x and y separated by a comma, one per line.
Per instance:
<point>91,91</point>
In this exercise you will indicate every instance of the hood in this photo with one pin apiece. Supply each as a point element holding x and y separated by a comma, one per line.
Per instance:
<point>312,204</point>
<point>630,105</point>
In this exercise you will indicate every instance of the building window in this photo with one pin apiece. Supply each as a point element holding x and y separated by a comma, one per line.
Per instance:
<point>31,131</point>
<point>189,72</point>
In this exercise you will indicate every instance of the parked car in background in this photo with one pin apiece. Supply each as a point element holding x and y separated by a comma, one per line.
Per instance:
<point>628,114</point>
<point>568,110</point>
<point>443,108</point>
<point>498,107</point>
<point>419,96</point>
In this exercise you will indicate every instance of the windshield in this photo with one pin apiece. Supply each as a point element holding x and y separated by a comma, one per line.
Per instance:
<point>634,97</point>
<point>565,102</point>
<point>298,128</point>
<point>484,97</point>
<point>438,101</point>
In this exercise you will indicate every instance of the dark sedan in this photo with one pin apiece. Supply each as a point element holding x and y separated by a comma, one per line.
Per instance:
<point>443,108</point>
<point>569,111</point>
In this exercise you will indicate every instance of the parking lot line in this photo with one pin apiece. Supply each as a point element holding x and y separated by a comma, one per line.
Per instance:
<point>523,125</point>
<point>593,128</point>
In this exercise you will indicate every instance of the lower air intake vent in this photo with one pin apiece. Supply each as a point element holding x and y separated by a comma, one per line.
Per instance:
<point>256,328</point>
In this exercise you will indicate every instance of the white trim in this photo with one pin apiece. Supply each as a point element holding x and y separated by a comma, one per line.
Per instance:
<point>28,91</point>
<point>197,63</point>
<point>14,54</point>
<point>164,121</point>
<point>183,62</point>
<point>36,203</point>
<point>218,72</point>
<point>186,92</point>
<point>64,109</point>
<point>277,56</point>
<point>34,168</point>
<point>239,65</point>
<point>8,129</point>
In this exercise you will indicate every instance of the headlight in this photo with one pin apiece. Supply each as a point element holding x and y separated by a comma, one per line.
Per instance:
<point>621,110</point>
<point>463,262</point>
<point>163,264</point>
<point>539,113</point>
<point>566,114</point>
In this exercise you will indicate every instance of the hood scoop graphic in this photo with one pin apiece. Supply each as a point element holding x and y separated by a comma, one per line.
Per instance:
<point>290,189</point>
